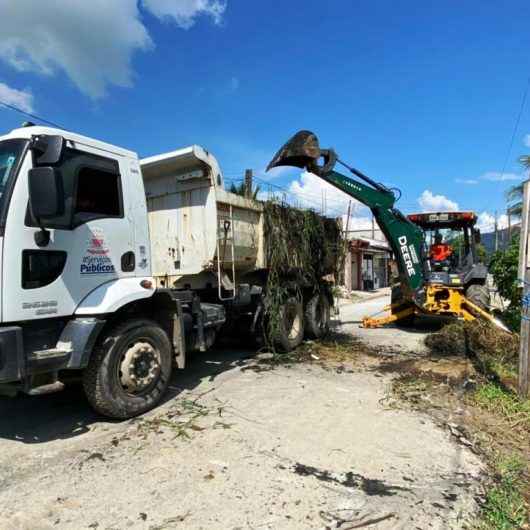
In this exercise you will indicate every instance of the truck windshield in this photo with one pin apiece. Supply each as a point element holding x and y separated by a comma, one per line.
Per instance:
<point>10,152</point>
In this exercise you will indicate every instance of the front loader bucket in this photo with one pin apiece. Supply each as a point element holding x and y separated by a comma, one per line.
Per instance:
<point>302,151</point>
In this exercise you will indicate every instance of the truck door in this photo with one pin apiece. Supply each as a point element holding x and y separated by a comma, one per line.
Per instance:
<point>90,245</point>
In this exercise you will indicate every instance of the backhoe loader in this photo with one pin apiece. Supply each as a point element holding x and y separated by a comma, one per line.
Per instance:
<point>419,291</point>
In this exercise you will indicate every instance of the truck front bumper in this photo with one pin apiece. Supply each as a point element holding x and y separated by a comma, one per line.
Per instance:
<point>72,352</point>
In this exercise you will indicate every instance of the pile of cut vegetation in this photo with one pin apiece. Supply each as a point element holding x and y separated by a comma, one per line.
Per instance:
<point>300,243</point>
<point>303,250</point>
<point>491,345</point>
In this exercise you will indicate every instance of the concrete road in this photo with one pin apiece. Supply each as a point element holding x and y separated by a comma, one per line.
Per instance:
<point>237,447</point>
<point>391,336</point>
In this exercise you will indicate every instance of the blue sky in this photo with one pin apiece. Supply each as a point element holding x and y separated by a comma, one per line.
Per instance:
<point>420,95</point>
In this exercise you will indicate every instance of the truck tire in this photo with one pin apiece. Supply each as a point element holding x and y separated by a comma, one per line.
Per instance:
<point>317,317</point>
<point>291,326</point>
<point>479,295</point>
<point>129,370</point>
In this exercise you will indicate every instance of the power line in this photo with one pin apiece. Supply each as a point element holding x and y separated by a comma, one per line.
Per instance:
<point>29,114</point>
<point>516,127</point>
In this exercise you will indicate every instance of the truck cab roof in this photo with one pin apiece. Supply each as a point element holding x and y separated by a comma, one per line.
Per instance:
<point>37,130</point>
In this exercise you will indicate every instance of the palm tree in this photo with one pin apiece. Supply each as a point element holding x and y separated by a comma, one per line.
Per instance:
<point>240,189</point>
<point>514,195</point>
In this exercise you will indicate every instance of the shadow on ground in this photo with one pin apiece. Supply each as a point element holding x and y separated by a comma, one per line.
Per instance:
<point>67,414</point>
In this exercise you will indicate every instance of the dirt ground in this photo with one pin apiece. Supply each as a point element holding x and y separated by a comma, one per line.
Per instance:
<point>241,444</point>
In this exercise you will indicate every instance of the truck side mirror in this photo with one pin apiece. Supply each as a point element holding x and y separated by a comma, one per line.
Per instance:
<point>48,149</point>
<point>46,197</point>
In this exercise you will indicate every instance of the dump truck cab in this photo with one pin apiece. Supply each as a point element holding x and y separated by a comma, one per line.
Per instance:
<point>76,285</point>
<point>451,241</point>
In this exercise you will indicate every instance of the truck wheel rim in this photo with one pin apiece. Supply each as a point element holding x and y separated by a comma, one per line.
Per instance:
<point>139,368</point>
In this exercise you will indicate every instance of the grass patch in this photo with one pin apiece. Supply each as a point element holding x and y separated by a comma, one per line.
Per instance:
<point>498,400</point>
<point>504,507</point>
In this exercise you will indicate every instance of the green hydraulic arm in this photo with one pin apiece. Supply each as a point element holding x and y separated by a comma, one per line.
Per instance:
<point>405,238</point>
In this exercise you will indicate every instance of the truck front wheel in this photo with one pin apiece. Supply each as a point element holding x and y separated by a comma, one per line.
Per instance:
<point>129,370</point>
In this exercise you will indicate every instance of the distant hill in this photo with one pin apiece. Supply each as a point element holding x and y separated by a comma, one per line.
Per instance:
<point>488,238</point>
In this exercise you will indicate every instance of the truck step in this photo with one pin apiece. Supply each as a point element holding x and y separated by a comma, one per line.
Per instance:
<point>52,358</point>
<point>41,355</point>
<point>50,388</point>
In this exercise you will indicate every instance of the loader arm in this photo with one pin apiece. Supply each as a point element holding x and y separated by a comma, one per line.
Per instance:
<point>405,238</point>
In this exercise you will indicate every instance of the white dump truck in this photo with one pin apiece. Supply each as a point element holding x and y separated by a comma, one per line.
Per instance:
<point>117,267</point>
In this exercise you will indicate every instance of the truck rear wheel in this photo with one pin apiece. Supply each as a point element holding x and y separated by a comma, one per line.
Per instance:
<point>129,370</point>
<point>479,295</point>
<point>317,317</point>
<point>291,327</point>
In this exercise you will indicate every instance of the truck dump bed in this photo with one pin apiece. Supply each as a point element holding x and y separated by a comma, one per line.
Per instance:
<point>200,232</point>
<point>198,228</point>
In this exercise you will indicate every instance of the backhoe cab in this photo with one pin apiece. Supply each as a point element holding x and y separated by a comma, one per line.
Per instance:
<point>452,243</point>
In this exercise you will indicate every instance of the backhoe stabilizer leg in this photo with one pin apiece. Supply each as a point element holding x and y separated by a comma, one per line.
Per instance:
<point>476,310</point>
<point>396,315</point>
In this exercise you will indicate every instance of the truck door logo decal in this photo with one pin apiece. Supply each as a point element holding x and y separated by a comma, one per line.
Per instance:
<point>96,259</point>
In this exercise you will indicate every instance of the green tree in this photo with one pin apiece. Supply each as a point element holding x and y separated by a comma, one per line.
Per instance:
<point>514,195</point>
<point>504,268</point>
<point>239,189</point>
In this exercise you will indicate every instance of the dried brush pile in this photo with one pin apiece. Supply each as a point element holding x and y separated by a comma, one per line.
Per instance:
<point>488,343</point>
<point>300,243</point>
<point>301,247</point>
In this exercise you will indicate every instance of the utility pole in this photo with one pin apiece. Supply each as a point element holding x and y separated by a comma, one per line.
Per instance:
<point>524,274</point>
<point>496,233</point>
<point>248,183</point>
<point>347,253</point>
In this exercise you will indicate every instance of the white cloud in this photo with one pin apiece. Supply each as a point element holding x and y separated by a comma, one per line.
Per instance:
<point>91,41</point>
<point>23,99</point>
<point>469,182</point>
<point>486,222</point>
<point>497,176</point>
<point>526,140</point>
<point>436,203</point>
<point>311,192</point>
<point>185,12</point>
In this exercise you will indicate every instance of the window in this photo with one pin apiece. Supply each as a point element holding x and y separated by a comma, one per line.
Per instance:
<point>41,267</point>
<point>92,189</point>
<point>10,157</point>
<point>97,195</point>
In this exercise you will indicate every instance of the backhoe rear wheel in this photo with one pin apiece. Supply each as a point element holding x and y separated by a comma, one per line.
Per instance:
<point>479,295</point>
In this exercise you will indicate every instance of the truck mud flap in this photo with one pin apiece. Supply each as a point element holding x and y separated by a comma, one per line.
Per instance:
<point>12,367</point>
